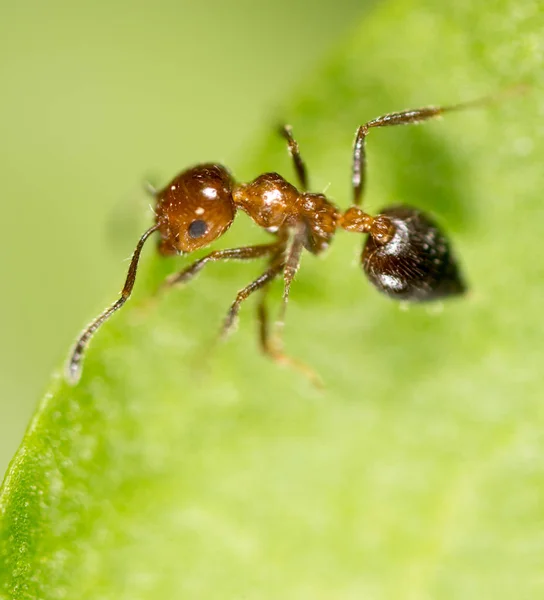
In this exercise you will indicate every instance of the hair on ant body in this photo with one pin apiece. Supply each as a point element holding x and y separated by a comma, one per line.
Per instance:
<point>406,256</point>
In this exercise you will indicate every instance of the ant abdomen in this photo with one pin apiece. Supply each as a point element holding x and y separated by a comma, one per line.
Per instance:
<point>415,262</point>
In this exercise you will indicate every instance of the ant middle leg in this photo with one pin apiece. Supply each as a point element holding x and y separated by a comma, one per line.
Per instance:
<point>287,132</point>
<point>270,274</point>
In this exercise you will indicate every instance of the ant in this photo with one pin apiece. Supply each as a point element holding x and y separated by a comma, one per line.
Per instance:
<point>406,256</point>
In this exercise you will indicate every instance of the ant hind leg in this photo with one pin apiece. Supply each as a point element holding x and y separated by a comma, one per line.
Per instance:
<point>403,117</point>
<point>272,346</point>
<point>292,263</point>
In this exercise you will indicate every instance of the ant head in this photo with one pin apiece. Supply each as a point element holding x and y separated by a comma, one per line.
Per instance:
<point>195,208</point>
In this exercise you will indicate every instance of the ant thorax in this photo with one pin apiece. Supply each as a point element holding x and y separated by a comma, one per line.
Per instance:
<point>269,200</point>
<point>273,203</point>
<point>321,218</point>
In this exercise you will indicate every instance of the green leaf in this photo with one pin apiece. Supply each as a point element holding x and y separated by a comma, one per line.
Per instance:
<point>176,469</point>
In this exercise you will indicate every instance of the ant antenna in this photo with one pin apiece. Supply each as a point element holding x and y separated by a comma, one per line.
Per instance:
<point>73,368</point>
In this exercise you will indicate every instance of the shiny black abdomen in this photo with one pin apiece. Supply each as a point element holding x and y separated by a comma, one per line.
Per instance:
<point>417,264</point>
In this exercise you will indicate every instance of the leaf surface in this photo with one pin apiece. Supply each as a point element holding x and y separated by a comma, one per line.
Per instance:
<point>174,470</point>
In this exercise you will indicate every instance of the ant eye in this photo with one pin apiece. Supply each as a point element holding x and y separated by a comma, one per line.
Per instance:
<point>197,228</point>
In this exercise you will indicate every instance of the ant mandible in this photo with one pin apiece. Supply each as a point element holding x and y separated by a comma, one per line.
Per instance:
<point>406,256</point>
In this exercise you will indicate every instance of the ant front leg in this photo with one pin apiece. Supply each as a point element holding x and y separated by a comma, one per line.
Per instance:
<point>244,253</point>
<point>190,272</point>
<point>287,132</point>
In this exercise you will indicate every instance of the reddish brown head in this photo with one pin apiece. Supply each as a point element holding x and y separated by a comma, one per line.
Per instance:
<point>195,208</point>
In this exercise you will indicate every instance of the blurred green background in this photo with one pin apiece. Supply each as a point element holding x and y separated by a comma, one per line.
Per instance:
<point>95,96</point>
<point>419,473</point>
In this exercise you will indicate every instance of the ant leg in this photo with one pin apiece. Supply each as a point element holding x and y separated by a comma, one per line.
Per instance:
<point>244,253</point>
<point>230,320</point>
<point>188,273</point>
<point>300,168</point>
<point>73,368</point>
<point>273,348</point>
<point>292,263</point>
<point>405,117</point>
